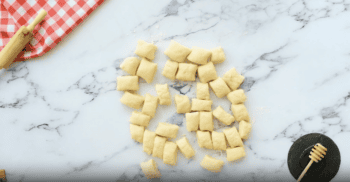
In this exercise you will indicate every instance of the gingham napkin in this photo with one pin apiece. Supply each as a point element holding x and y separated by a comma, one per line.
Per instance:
<point>62,17</point>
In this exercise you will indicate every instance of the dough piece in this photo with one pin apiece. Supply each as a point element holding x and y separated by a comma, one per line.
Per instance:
<point>182,103</point>
<point>170,153</point>
<point>240,112</point>
<point>126,83</point>
<point>235,153</point>
<point>137,132</point>
<point>147,70</point>
<point>170,69</point>
<point>130,65</point>
<point>167,130</point>
<point>233,79</point>
<point>224,117</point>
<point>217,55</point>
<point>204,139</point>
<point>185,147</point>
<point>199,55</point>
<point>201,105</point>
<point>158,147</point>
<point>203,91</point>
<point>192,121</point>
<point>145,50</point>
<point>150,169</point>
<point>140,119</point>
<point>150,106</point>
<point>219,87</point>
<point>206,121</point>
<point>233,137</point>
<point>244,129</point>
<point>132,100</point>
<point>237,96</point>
<point>219,141</point>
<point>207,73</point>
<point>148,141</point>
<point>187,72</point>
<point>163,94</point>
<point>177,52</point>
<point>211,164</point>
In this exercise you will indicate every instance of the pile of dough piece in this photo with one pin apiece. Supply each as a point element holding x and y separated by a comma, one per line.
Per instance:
<point>184,64</point>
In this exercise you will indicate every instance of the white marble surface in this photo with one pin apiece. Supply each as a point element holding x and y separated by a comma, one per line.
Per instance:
<point>61,117</point>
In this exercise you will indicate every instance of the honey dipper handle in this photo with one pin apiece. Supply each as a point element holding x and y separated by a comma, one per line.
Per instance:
<point>305,170</point>
<point>37,20</point>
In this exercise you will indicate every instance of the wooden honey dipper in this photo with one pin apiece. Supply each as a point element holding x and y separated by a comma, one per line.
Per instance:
<point>317,153</point>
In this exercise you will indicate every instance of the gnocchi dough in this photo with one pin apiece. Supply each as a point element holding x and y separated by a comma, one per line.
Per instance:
<point>130,65</point>
<point>177,52</point>
<point>187,72</point>
<point>150,169</point>
<point>126,83</point>
<point>244,129</point>
<point>182,103</point>
<point>147,70</point>
<point>185,147</point>
<point>219,141</point>
<point>224,117</point>
<point>206,121</point>
<point>137,132</point>
<point>158,147</point>
<point>217,55</point>
<point>207,72</point>
<point>233,137</point>
<point>235,153</point>
<point>219,87</point>
<point>240,112</point>
<point>170,153</point>
<point>199,55</point>
<point>237,96</point>
<point>211,164</point>
<point>204,139</point>
<point>203,91</point>
<point>145,50</point>
<point>233,79</point>
<point>140,119</point>
<point>201,105</point>
<point>167,130</point>
<point>132,100</point>
<point>150,105</point>
<point>163,94</point>
<point>148,141</point>
<point>170,69</point>
<point>192,121</point>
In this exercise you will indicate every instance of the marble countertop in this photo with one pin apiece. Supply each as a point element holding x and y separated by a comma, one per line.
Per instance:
<point>61,118</point>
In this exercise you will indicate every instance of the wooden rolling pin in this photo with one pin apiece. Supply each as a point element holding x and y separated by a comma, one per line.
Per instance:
<point>19,41</point>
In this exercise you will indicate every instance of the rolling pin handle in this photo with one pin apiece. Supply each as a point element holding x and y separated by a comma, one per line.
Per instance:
<point>37,20</point>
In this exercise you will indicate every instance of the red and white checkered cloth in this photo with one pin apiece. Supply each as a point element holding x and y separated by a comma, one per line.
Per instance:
<point>62,17</point>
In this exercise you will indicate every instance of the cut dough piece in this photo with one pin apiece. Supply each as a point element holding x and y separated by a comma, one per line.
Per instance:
<point>219,141</point>
<point>163,94</point>
<point>170,69</point>
<point>203,91</point>
<point>237,96</point>
<point>201,105</point>
<point>158,147</point>
<point>126,83</point>
<point>206,121</point>
<point>233,79</point>
<point>224,117</point>
<point>233,138</point>
<point>235,153</point>
<point>240,112</point>
<point>132,100</point>
<point>211,164</point>
<point>150,169</point>
<point>219,87</point>
<point>137,132</point>
<point>167,130</point>
<point>187,72</point>
<point>217,55</point>
<point>170,153</point>
<point>185,147</point>
<point>148,141</point>
<point>199,55</point>
<point>244,129</point>
<point>177,52</point>
<point>207,73</point>
<point>204,139</point>
<point>150,106</point>
<point>130,65</point>
<point>145,50</point>
<point>147,70</point>
<point>192,121</point>
<point>182,103</point>
<point>140,119</point>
